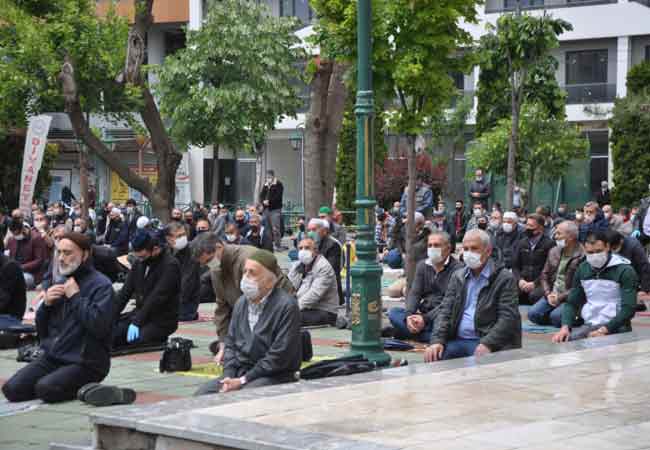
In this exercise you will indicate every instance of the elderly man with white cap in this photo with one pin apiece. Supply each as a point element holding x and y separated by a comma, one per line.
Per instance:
<point>319,231</point>
<point>507,236</point>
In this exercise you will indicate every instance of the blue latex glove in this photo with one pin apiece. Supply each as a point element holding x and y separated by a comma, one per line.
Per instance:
<point>133,333</point>
<point>635,234</point>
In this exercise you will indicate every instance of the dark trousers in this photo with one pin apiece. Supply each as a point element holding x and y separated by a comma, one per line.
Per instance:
<point>49,380</point>
<point>311,317</point>
<point>214,386</point>
<point>188,311</point>
<point>149,333</point>
<point>397,317</point>
<point>460,348</point>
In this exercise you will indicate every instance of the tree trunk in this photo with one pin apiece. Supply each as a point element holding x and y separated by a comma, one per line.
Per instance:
<point>512,145</point>
<point>168,159</point>
<point>214,195</point>
<point>83,182</point>
<point>259,176</point>
<point>315,129</point>
<point>410,211</point>
<point>531,185</point>
<point>336,100</point>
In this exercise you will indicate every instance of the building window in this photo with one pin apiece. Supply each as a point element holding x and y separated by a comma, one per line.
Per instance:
<point>512,4</point>
<point>647,52</point>
<point>459,80</point>
<point>296,8</point>
<point>586,67</point>
<point>599,149</point>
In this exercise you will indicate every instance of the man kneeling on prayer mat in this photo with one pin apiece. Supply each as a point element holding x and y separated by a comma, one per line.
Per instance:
<point>74,325</point>
<point>263,345</point>
<point>155,283</point>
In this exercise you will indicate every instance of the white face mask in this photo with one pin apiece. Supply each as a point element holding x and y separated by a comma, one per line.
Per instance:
<point>472,259</point>
<point>19,236</point>
<point>597,260</point>
<point>589,218</point>
<point>434,254</point>
<point>129,209</point>
<point>494,224</point>
<point>214,211</point>
<point>69,270</point>
<point>507,227</point>
<point>181,243</point>
<point>561,243</point>
<point>77,229</point>
<point>231,237</point>
<point>249,288</point>
<point>306,257</point>
<point>478,212</point>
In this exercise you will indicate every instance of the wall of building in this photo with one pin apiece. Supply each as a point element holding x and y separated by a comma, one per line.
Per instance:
<point>639,44</point>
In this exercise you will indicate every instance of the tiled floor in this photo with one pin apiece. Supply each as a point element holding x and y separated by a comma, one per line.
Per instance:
<point>41,424</point>
<point>585,398</point>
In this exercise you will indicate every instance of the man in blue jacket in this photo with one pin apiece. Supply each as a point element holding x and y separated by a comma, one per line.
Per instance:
<point>74,324</point>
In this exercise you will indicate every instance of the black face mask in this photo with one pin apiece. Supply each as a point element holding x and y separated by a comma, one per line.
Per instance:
<point>482,225</point>
<point>255,228</point>
<point>458,208</point>
<point>302,227</point>
<point>240,221</point>
<point>176,219</point>
<point>201,231</point>
<point>530,233</point>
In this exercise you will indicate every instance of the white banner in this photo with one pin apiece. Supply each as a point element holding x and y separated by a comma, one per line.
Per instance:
<point>183,193</point>
<point>32,160</point>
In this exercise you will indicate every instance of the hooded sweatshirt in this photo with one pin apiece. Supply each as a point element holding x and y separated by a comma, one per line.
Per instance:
<point>603,297</point>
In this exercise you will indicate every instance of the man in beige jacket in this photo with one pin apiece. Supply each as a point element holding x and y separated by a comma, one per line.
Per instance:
<point>226,263</point>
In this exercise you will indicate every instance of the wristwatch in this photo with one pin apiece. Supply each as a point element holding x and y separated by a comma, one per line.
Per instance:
<point>242,380</point>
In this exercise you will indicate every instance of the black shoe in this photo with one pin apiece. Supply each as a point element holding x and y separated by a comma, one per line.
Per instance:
<point>81,393</point>
<point>103,395</point>
<point>640,307</point>
<point>388,332</point>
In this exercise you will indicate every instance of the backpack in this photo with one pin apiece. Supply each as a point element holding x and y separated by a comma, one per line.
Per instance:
<point>176,356</point>
<point>346,365</point>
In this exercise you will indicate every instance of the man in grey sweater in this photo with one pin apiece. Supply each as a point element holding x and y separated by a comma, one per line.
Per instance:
<point>263,345</point>
<point>315,283</point>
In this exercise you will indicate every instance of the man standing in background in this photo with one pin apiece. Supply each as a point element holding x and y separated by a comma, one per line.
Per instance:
<point>271,199</point>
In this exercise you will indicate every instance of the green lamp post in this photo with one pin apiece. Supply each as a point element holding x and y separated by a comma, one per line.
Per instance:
<point>365,308</point>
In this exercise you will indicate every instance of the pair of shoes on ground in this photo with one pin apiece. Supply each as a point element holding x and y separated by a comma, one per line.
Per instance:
<point>98,394</point>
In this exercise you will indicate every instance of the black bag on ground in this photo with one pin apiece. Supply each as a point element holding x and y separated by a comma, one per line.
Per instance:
<point>346,365</point>
<point>16,335</point>
<point>307,349</point>
<point>176,356</point>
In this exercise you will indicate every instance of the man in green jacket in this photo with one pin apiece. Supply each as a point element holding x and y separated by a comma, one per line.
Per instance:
<point>604,293</point>
<point>479,314</point>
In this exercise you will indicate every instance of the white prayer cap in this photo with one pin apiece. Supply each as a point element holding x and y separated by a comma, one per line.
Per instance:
<point>142,222</point>
<point>116,211</point>
<point>419,217</point>
<point>510,215</point>
<point>320,223</point>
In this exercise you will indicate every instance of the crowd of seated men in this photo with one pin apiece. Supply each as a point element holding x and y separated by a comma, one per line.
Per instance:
<point>577,272</point>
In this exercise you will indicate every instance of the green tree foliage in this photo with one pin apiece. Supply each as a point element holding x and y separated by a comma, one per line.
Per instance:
<point>547,146</point>
<point>541,87</point>
<point>517,50</point>
<point>638,78</point>
<point>235,79</point>
<point>34,38</point>
<point>630,126</point>
<point>11,163</point>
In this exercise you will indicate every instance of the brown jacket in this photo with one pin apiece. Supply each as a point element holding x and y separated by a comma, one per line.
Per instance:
<point>33,252</point>
<point>549,272</point>
<point>226,276</point>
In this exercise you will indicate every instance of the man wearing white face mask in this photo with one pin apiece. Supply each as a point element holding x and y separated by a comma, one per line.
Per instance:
<point>74,326</point>
<point>478,212</point>
<point>263,344</point>
<point>479,314</point>
<point>507,236</point>
<point>604,294</point>
<point>427,291</point>
<point>315,282</point>
<point>176,236</point>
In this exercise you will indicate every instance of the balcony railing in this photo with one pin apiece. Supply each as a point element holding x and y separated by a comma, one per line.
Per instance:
<point>590,93</point>
<point>498,6</point>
